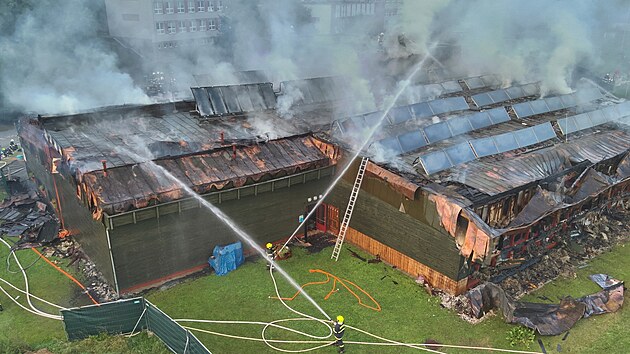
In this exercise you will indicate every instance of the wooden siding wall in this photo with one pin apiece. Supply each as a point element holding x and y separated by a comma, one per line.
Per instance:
<point>405,263</point>
<point>156,250</point>
<point>411,227</point>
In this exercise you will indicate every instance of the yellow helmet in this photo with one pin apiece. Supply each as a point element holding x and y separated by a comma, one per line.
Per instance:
<point>269,245</point>
<point>340,319</point>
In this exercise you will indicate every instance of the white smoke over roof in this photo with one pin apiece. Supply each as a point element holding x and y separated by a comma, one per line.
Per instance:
<point>56,61</point>
<point>53,62</point>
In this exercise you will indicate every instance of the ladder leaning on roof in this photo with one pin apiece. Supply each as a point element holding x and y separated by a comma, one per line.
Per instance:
<point>346,218</point>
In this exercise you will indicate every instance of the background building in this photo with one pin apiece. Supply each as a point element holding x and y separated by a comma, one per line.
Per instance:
<point>151,27</point>
<point>352,17</point>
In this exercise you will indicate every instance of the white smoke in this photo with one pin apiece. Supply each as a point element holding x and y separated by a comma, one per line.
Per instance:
<point>54,62</point>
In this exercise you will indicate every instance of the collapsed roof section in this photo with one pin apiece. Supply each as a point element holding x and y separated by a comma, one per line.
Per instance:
<point>496,160</point>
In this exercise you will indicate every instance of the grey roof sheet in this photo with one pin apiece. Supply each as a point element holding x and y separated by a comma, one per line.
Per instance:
<point>493,177</point>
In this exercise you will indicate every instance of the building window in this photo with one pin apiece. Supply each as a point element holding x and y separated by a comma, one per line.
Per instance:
<point>201,6</point>
<point>202,25</point>
<point>193,26</point>
<point>191,6</point>
<point>182,26</point>
<point>172,29</point>
<point>219,5</point>
<point>212,25</point>
<point>180,7</point>
<point>157,8</point>
<point>211,7</point>
<point>169,7</point>
<point>159,26</point>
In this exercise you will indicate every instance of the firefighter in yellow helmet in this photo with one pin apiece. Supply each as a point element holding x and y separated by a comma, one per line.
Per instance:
<point>271,254</point>
<point>338,330</point>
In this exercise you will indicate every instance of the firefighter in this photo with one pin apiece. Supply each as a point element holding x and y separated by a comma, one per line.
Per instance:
<point>271,254</point>
<point>338,331</point>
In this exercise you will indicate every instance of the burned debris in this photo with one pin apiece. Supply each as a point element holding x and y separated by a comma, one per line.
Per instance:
<point>548,319</point>
<point>28,217</point>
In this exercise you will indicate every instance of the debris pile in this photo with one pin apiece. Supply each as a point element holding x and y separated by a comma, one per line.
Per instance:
<point>26,216</point>
<point>595,234</point>
<point>461,305</point>
<point>548,319</point>
<point>95,283</point>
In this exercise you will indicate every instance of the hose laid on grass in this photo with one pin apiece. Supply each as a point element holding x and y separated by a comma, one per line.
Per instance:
<point>324,343</point>
<point>67,275</point>
<point>43,314</point>
<point>26,291</point>
<point>33,296</point>
<point>304,317</point>
<point>334,286</point>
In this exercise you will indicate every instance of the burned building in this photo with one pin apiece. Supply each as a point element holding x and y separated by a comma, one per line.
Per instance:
<point>463,174</point>
<point>484,175</point>
<point>142,229</point>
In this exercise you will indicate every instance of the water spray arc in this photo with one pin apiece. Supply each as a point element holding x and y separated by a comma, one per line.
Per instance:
<point>232,225</point>
<point>363,143</point>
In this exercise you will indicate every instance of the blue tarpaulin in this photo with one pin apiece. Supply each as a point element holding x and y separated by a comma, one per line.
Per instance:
<point>226,258</point>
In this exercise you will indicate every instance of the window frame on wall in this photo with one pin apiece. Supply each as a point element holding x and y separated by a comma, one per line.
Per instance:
<point>201,25</point>
<point>181,7</point>
<point>182,26</point>
<point>191,6</point>
<point>193,26</point>
<point>172,27</point>
<point>160,27</point>
<point>158,8</point>
<point>212,25</point>
<point>201,5</point>
<point>169,8</point>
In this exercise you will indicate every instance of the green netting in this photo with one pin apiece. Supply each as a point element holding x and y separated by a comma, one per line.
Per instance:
<point>114,318</point>
<point>178,339</point>
<point>126,316</point>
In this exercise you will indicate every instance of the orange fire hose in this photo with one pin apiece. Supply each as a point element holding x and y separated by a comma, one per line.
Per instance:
<point>335,281</point>
<point>67,275</point>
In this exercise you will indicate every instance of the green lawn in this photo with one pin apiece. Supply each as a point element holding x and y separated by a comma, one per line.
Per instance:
<point>606,333</point>
<point>408,313</point>
<point>21,331</point>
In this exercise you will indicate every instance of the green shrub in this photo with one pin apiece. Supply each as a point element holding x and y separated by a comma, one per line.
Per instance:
<point>521,335</point>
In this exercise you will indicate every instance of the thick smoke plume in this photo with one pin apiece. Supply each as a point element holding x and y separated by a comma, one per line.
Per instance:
<point>54,62</point>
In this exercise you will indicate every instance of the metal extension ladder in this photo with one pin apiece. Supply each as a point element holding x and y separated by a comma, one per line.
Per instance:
<point>346,218</point>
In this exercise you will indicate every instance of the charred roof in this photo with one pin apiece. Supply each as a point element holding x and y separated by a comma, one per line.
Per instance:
<point>485,140</point>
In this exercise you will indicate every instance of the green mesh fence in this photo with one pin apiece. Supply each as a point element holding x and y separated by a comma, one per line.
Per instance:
<point>114,318</point>
<point>178,339</point>
<point>127,316</point>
